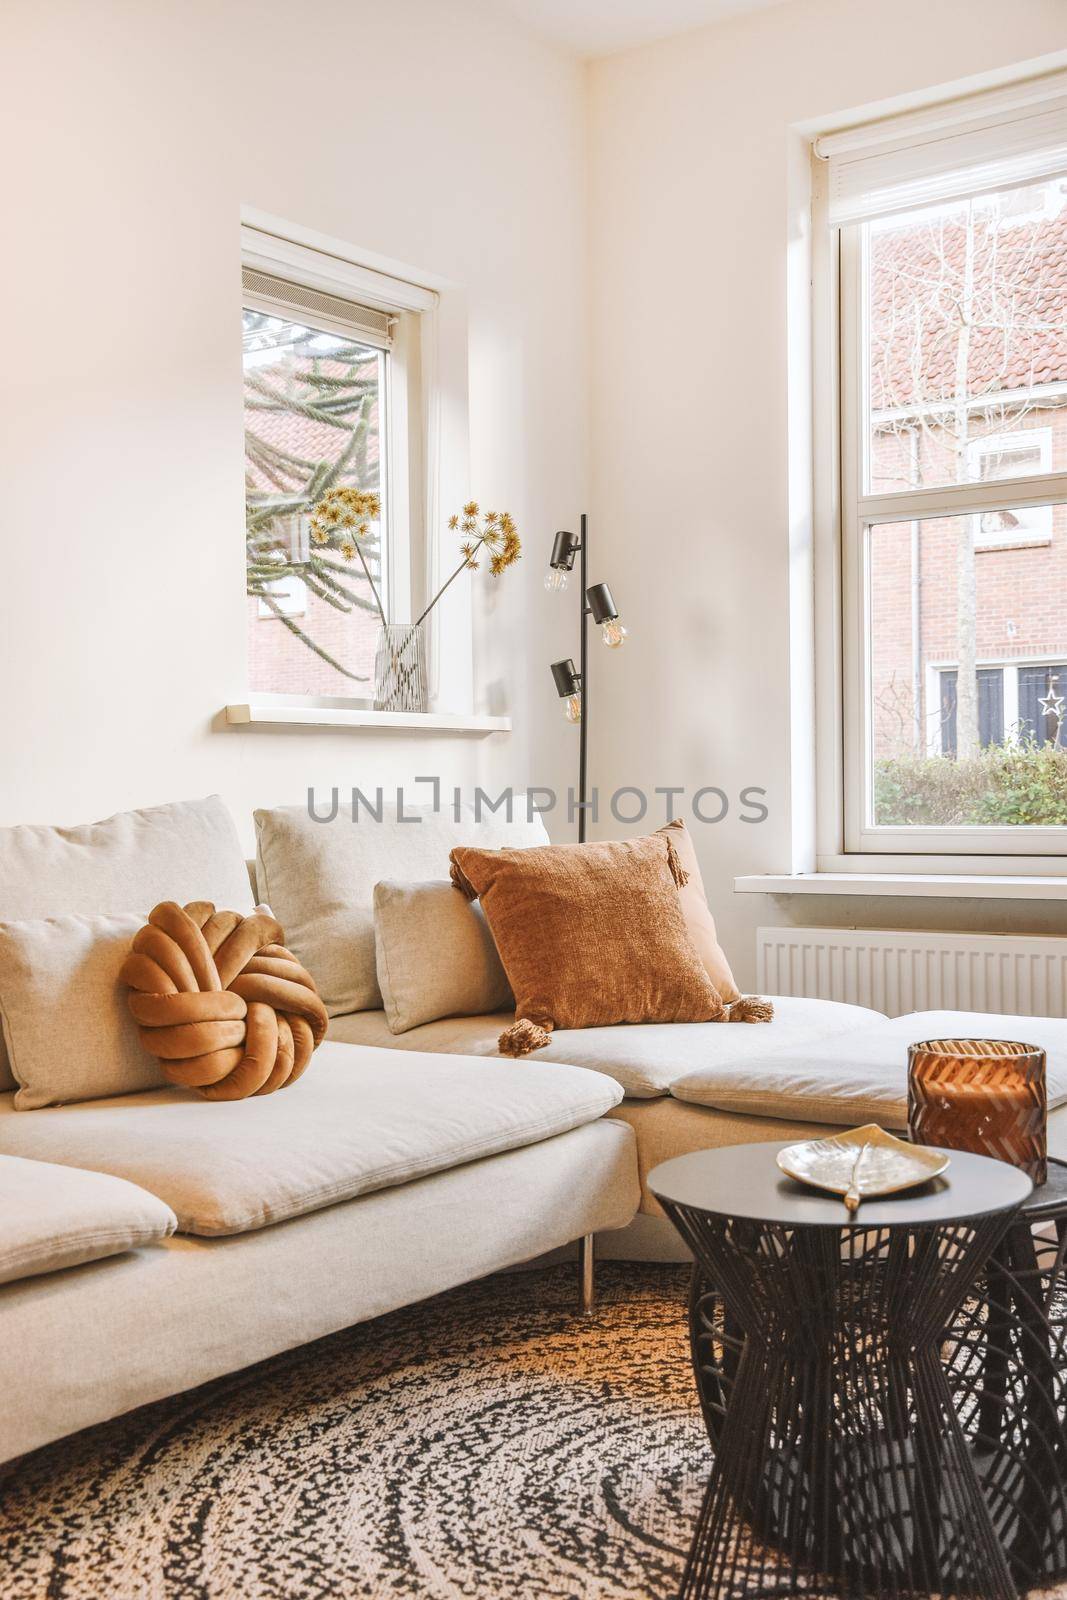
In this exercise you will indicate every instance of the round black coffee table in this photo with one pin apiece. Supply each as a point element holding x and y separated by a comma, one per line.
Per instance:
<point>842,1466</point>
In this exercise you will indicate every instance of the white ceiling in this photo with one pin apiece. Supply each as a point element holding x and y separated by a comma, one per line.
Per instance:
<point>597,27</point>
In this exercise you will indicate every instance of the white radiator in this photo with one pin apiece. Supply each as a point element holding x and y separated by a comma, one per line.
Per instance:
<point>899,972</point>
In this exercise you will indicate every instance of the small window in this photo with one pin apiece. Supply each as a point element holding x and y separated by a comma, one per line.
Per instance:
<point>336,469</point>
<point>315,387</point>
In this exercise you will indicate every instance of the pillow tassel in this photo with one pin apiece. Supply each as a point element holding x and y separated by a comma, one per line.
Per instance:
<point>459,878</point>
<point>522,1038</point>
<point>674,861</point>
<point>750,1008</point>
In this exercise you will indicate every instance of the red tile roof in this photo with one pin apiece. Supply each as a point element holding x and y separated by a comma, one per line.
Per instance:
<point>1018,307</point>
<point>294,433</point>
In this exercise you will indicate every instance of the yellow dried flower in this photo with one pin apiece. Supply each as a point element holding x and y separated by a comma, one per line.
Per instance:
<point>344,506</point>
<point>348,550</point>
<point>495,530</point>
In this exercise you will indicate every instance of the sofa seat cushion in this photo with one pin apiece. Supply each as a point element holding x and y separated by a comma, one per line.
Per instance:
<point>861,1076</point>
<point>644,1059</point>
<point>363,1120</point>
<point>59,1216</point>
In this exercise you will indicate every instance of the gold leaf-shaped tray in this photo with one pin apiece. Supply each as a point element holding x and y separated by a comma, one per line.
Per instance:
<point>862,1163</point>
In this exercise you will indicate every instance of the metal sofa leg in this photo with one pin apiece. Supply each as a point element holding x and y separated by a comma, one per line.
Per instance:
<point>586,1278</point>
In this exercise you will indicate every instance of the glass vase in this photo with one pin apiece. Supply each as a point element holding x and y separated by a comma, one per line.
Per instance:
<point>400,668</point>
<point>983,1095</point>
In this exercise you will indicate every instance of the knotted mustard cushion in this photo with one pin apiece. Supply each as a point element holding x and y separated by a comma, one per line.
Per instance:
<point>221,1002</point>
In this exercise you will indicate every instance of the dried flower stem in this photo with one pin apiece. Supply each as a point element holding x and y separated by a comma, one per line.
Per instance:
<point>462,567</point>
<point>370,580</point>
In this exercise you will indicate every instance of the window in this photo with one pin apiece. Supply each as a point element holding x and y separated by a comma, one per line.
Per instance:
<point>1042,700</point>
<point>997,456</point>
<point>331,396</point>
<point>952,355</point>
<point>990,709</point>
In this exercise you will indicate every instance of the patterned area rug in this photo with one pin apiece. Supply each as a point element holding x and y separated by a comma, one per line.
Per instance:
<point>485,1444</point>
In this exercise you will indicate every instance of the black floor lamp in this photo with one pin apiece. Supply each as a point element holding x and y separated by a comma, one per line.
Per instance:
<point>572,684</point>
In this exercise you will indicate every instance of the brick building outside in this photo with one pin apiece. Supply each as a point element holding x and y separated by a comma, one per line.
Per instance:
<point>968,382</point>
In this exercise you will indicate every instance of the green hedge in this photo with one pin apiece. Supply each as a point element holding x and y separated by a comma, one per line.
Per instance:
<point>1006,785</point>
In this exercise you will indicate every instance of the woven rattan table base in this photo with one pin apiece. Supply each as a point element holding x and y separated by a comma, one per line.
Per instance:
<point>1003,1361</point>
<point>841,1464</point>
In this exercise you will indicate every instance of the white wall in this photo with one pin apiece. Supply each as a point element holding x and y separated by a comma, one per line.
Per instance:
<point>134,130</point>
<point>690,227</point>
<point>443,136</point>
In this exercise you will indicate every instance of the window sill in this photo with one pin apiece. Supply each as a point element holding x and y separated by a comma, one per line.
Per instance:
<point>915,885</point>
<point>282,716</point>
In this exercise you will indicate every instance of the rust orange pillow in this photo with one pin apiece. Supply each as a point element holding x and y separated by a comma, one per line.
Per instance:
<point>697,914</point>
<point>221,1002</point>
<point>591,935</point>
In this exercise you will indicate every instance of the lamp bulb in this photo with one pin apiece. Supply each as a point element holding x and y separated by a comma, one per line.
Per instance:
<point>556,580</point>
<point>572,708</point>
<point>613,633</point>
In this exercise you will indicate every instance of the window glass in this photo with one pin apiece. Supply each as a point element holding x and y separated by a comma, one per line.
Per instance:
<point>313,422</point>
<point>965,341</point>
<point>966,681</point>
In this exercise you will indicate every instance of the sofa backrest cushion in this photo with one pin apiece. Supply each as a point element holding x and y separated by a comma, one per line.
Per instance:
<point>53,1217</point>
<point>318,878</point>
<point>188,850</point>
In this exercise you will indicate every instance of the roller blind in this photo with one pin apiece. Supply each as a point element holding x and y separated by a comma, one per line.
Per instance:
<point>264,292</point>
<point>978,145</point>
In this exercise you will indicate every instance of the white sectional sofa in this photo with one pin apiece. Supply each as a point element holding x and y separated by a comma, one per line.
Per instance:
<point>364,1189</point>
<point>818,1067</point>
<point>150,1241</point>
<point>227,1232</point>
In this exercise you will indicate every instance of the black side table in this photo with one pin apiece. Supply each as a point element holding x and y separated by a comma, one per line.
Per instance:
<point>842,1466</point>
<point>1005,1357</point>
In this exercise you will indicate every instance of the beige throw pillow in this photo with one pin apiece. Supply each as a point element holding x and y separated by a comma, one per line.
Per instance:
<point>68,1029</point>
<point>319,877</point>
<point>435,956</point>
<point>697,914</point>
<point>187,850</point>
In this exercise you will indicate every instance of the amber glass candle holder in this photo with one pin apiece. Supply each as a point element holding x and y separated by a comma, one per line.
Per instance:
<point>983,1095</point>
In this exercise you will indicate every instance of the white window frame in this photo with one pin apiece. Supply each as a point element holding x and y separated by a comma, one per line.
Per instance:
<point>291,592</point>
<point>425,416</point>
<point>842,516</point>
